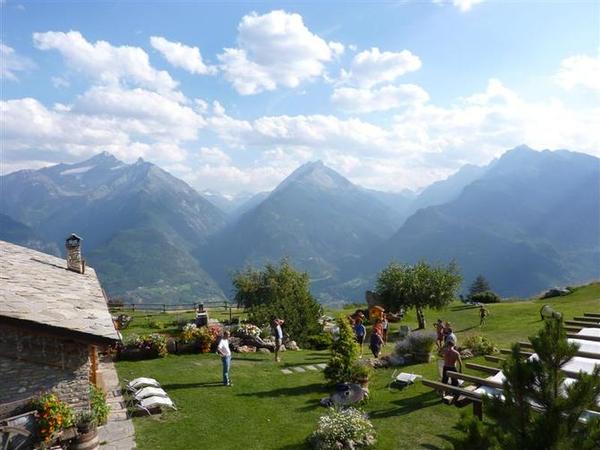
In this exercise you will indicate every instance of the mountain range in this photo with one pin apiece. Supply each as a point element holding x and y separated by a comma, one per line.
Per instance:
<point>527,221</point>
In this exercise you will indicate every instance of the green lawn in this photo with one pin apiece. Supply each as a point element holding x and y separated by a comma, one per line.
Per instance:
<point>268,410</point>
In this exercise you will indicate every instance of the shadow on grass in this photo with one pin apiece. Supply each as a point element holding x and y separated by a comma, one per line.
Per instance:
<point>303,446</point>
<point>408,405</point>
<point>467,329</point>
<point>288,391</point>
<point>191,385</point>
<point>451,440</point>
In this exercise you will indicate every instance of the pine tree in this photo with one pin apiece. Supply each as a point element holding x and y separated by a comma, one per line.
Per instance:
<point>480,284</point>
<point>344,353</point>
<point>539,411</point>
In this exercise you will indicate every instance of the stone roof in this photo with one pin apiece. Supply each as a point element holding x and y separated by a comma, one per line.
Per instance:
<point>37,287</point>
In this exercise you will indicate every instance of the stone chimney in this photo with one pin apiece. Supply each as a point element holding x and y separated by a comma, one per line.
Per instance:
<point>74,260</point>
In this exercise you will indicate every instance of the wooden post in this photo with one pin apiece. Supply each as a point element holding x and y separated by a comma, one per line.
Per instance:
<point>164,308</point>
<point>93,354</point>
<point>478,410</point>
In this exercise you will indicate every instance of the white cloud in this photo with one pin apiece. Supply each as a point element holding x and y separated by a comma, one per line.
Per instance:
<point>371,67</point>
<point>463,5</point>
<point>13,63</point>
<point>378,99</point>
<point>579,71</point>
<point>107,63</point>
<point>60,82</point>
<point>215,156</point>
<point>141,112</point>
<point>275,49</point>
<point>180,55</point>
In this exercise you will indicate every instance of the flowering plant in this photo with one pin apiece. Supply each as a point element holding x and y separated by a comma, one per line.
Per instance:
<point>152,342</point>
<point>53,416</point>
<point>248,330</point>
<point>203,336</point>
<point>343,428</point>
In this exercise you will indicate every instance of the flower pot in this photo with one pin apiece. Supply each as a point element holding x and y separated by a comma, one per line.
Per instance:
<point>87,438</point>
<point>363,381</point>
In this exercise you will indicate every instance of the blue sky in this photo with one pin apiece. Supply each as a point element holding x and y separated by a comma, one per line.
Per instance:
<point>232,96</point>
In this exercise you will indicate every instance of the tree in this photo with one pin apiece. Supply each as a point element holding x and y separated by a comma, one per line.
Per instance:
<point>281,291</point>
<point>539,410</point>
<point>344,353</point>
<point>418,286</point>
<point>479,285</point>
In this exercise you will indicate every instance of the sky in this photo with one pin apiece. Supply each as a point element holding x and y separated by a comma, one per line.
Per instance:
<point>232,96</point>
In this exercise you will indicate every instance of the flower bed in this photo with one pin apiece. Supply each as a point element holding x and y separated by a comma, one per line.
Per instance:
<point>144,347</point>
<point>343,428</point>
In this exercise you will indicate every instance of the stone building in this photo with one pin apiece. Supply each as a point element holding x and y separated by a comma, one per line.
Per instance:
<point>53,319</point>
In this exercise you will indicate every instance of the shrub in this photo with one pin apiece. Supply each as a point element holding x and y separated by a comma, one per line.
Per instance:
<point>344,352</point>
<point>348,428</point>
<point>180,323</point>
<point>204,337</point>
<point>155,324</point>
<point>100,409</point>
<point>402,347</point>
<point>480,345</point>
<point>156,343</point>
<point>319,341</point>
<point>421,341</point>
<point>53,416</point>
<point>485,297</point>
<point>248,330</point>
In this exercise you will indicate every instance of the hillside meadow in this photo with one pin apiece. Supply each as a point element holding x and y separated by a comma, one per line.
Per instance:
<point>266,409</point>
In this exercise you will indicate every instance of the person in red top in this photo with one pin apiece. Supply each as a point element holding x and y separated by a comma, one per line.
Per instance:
<point>451,358</point>
<point>439,329</point>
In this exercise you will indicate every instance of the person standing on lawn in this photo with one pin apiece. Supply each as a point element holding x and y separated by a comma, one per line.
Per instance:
<point>225,353</point>
<point>376,341</point>
<point>278,335</point>
<point>483,313</point>
<point>360,331</point>
<point>385,325</point>
<point>451,358</point>
<point>439,329</point>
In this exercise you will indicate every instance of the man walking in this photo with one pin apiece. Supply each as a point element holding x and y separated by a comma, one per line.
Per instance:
<point>225,354</point>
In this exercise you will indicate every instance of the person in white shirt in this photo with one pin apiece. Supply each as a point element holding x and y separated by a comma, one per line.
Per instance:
<point>278,334</point>
<point>225,354</point>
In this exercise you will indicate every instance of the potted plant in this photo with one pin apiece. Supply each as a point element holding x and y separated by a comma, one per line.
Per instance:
<point>87,432</point>
<point>361,372</point>
<point>86,422</point>
<point>421,345</point>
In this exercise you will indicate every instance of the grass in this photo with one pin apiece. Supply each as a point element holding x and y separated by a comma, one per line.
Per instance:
<point>268,410</point>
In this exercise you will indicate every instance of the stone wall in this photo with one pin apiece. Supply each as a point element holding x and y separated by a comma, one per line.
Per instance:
<point>31,364</point>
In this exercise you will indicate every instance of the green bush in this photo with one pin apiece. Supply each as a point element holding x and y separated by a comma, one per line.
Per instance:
<point>480,345</point>
<point>156,343</point>
<point>155,324</point>
<point>100,409</point>
<point>360,370</point>
<point>343,428</point>
<point>344,353</point>
<point>421,341</point>
<point>321,341</point>
<point>485,297</point>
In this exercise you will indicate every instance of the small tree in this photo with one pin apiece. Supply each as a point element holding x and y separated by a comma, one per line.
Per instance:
<point>479,285</point>
<point>281,291</point>
<point>344,353</point>
<point>418,286</point>
<point>538,411</point>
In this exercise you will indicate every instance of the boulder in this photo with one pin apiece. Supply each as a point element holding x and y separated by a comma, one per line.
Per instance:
<point>291,345</point>
<point>346,394</point>
<point>263,350</point>
<point>246,349</point>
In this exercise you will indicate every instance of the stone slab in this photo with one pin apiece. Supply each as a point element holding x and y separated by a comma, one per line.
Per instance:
<point>321,365</point>
<point>298,369</point>
<point>286,371</point>
<point>311,367</point>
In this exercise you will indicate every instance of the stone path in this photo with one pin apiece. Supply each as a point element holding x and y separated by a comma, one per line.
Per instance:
<point>118,433</point>
<point>301,369</point>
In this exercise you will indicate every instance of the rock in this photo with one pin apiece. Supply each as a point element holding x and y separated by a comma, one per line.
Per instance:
<point>264,350</point>
<point>282,348</point>
<point>346,394</point>
<point>466,353</point>
<point>396,360</point>
<point>291,345</point>
<point>404,331</point>
<point>246,349</point>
